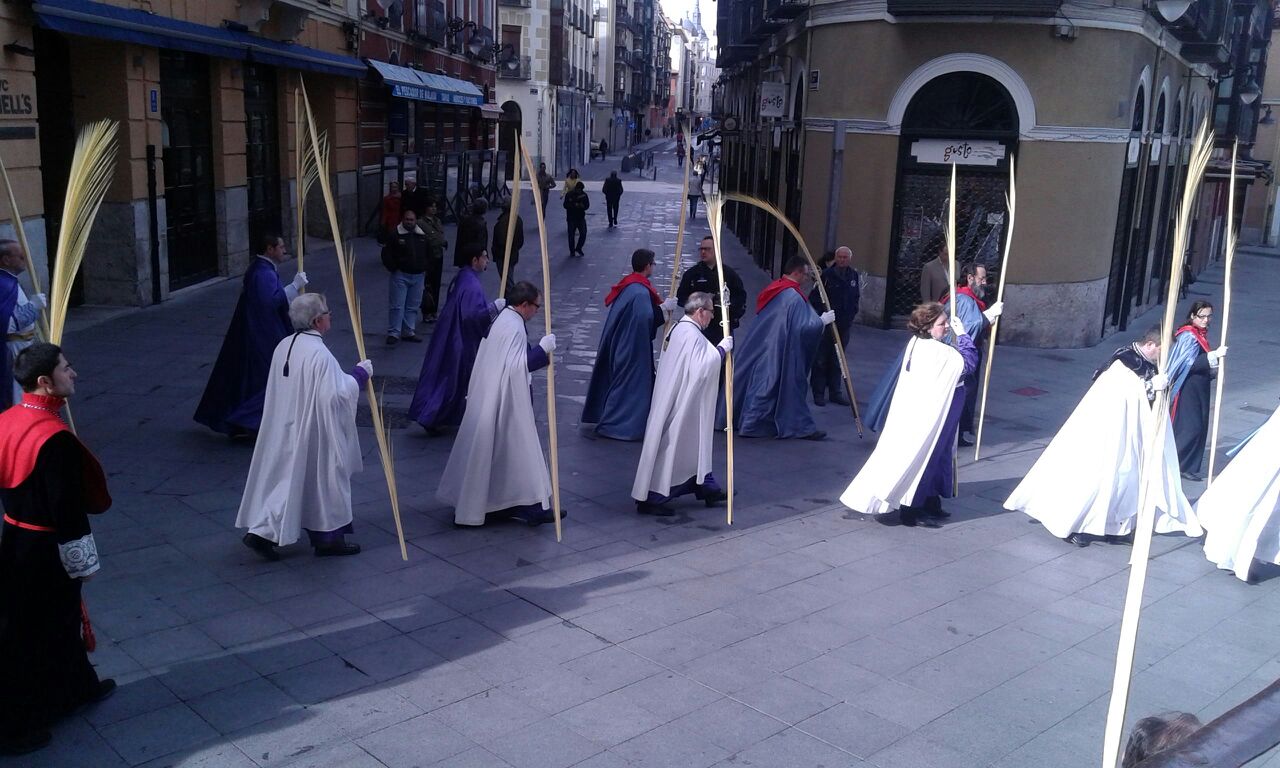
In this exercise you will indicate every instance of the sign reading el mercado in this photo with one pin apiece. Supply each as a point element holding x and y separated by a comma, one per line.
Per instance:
<point>773,99</point>
<point>944,151</point>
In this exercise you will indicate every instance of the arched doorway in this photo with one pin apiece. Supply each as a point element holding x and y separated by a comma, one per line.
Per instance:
<point>508,131</point>
<point>969,119</point>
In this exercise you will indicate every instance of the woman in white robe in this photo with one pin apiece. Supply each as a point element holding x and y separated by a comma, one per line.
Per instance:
<point>1240,509</point>
<point>307,447</point>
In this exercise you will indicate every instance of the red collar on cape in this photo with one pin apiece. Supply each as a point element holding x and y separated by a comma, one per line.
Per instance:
<point>967,291</point>
<point>632,279</point>
<point>775,288</point>
<point>24,429</point>
<point>1202,336</point>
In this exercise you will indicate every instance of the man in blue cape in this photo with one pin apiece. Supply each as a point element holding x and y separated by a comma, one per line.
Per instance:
<point>771,375</point>
<point>237,388</point>
<point>441,397</point>
<point>19,316</point>
<point>622,378</point>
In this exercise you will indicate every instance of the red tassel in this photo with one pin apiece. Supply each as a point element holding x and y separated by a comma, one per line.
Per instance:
<point>86,630</point>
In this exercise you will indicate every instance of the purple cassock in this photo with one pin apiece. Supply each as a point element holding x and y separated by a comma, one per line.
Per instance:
<point>441,396</point>
<point>232,402</point>
<point>939,475</point>
<point>8,302</point>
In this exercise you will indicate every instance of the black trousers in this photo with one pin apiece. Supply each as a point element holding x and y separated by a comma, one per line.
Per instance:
<point>431,287</point>
<point>611,207</point>
<point>580,227</point>
<point>825,376</point>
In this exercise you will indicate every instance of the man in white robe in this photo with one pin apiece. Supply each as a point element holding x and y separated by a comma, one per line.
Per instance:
<point>676,457</point>
<point>496,467</point>
<point>1240,508</point>
<point>307,447</point>
<point>1087,483</point>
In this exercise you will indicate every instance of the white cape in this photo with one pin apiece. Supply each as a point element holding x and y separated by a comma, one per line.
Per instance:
<point>1088,478</point>
<point>926,385</point>
<point>307,447</point>
<point>497,461</point>
<point>1239,509</point>
<point>680,429</point>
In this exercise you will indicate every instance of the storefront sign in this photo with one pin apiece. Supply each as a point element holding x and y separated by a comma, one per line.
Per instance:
<point>773,99</point>
<point>945,151</point>
<point>15,101</point>
<point>431,94</point>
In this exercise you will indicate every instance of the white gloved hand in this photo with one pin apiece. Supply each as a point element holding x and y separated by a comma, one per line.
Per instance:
<point>1216,355</point>
<point>828,317</point>
<point>499,304</point>
<point>548,343</point>
<point>300,281</point>
<point>40,300</point>
<point>366,366</point>
<point>726,344</point>
<point>994,311</point>
<point>957,327</point>
<point>670,304</point>
<point>1159,382</point>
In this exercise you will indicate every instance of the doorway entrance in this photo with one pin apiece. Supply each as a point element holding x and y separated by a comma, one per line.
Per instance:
<point>188,168</point>
<point>262,152</point>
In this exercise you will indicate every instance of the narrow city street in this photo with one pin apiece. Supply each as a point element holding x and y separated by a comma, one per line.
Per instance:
<point>802,635</point>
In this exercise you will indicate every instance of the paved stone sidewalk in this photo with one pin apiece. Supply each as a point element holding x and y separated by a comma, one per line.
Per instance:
<point>800,636</point>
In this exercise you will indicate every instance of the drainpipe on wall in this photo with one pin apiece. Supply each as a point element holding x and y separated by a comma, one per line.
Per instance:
<point>833,194</point>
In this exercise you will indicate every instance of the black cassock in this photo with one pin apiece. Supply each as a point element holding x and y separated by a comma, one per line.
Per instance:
<point>44,669</point>
<point>1191,414</point>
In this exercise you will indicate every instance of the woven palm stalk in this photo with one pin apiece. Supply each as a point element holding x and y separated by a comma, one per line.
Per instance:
<point>1011,202</point>
<point>822,291</point>
<point>1153,456</point>
<point>20,234</point>
<point>679,254</point>
<point>347,264</point>
<point>552,439</point>
<point>512,216</point>
<point>92,166</point>
<point>715,215</point>
<point>305,174</point>
<point>1226,315</point>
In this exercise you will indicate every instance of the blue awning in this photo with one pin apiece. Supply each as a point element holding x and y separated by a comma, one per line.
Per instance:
<point>90,19</point>
<point>409,83</point>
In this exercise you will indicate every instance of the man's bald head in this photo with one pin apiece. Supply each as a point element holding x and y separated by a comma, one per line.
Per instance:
<point>11,256</point>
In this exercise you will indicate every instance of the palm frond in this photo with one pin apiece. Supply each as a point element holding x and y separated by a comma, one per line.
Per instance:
<point>92,167</point>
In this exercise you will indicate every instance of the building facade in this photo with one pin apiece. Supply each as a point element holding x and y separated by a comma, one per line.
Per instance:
<point>848,116</point>
<point>203,92</point>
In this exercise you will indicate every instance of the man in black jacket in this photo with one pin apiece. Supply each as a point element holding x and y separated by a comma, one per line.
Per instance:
<point>472,236</point>
<point>576,204</point>
<point>612,196</point>
<point>844,289</point>
<point>431,225</point>
<point>500,243</point>
<point>405,256</point>
<point>414,198</point>
<point>702,277</point>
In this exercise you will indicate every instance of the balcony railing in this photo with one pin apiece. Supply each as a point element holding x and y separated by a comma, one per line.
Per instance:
<point>622,55</point>
<point>428,23</point>
<point>974,7</point>
<point>516,68</point>
<point>622,18</point>
<point>637,58</point>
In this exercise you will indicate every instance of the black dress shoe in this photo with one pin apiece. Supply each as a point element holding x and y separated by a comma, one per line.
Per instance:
<point>838,398</point>
<point>1127,539</point>
<point>339,549</point>
<point>937,513</point>
<point>548,516</point>
<point>414,339</point>
<point>657,510</point>
<point>1192,476</point>
<point>818,399</point>
<point>907,516</point>
<point>712,498</point>
<point>264,547</point>
<point>816,435</point>
<point>392,340</point>
<point>26,743</point>
<point>964,443</point>
<point>1079,539</point>
<point>106,689</point>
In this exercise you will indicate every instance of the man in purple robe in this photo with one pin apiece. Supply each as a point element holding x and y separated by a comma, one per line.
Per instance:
<point>441,397</point>
<point>17,313</point>
<point>233,398</point>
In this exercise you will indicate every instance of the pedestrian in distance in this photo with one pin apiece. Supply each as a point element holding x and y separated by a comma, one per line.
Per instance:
<point>576,203</point>
<point>913,465</point>
<point>500,243</point>
<point>405,257</point>
<point>389,210</point>
<point>49,483</point>
<point>232,400</point>
<point>571,179</point>
<point>675,459</point>
<point>843,289</point>
<point>431,225</point>
<point>472,236</point>
<point>307,449</point>
<point>694,193</point>
<point>546,183</point>
<point>414,198</point>
<point>19,313</point>
<point>612,189</point>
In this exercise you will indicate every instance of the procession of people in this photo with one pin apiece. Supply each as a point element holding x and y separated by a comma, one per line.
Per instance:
<point>662,374</point>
